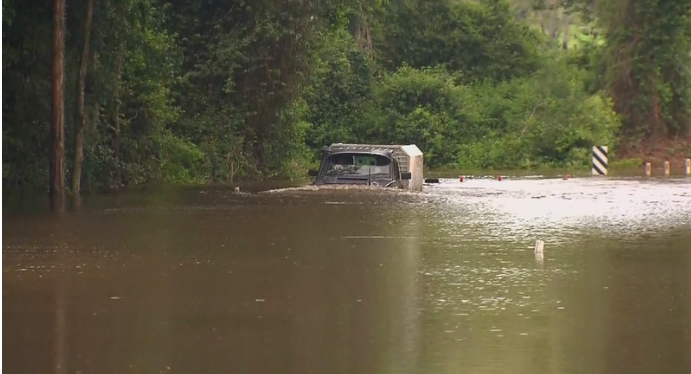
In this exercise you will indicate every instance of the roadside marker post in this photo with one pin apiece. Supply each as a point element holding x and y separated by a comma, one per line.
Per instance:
<point>599,164</point>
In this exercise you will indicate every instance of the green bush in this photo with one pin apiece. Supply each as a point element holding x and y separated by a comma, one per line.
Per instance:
<point>546,119</point>
<point>181,161</point>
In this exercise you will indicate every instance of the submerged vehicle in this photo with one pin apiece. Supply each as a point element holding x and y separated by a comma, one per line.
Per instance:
<point>372,165</point>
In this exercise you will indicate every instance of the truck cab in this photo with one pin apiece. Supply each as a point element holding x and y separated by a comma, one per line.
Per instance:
<point>369,166</point>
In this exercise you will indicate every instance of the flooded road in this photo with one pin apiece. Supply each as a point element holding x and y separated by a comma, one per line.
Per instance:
<point>201,280</point>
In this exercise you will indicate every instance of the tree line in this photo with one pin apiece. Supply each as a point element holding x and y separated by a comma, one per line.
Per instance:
<point>126,92</point>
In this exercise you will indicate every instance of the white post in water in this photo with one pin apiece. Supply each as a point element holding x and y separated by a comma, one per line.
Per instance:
<point>539,254</point>
<point>667,168</point>
<point>648,169</point>
<point>688,166</point>
<point>599,160</point>
<point>539,246</point>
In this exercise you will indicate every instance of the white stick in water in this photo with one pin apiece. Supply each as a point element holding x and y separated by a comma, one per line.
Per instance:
<point>539,246</point>
<point>539,255</point>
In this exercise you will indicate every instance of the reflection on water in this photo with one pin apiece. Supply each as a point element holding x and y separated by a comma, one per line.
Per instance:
<point>312,281</point>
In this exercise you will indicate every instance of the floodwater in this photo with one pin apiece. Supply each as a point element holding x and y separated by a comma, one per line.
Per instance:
<point>202,280</point>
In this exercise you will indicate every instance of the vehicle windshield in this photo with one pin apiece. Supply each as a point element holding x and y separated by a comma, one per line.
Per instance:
<point>357,165</point>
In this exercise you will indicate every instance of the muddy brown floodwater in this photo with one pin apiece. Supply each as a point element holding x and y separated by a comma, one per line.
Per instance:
<point>202,280</point>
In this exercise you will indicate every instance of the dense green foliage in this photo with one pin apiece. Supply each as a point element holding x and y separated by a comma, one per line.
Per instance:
<point>196,90</point>
<point>648,57</point>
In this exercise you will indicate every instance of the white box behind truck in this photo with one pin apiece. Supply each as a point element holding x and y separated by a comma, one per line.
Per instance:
<point>415,166</point>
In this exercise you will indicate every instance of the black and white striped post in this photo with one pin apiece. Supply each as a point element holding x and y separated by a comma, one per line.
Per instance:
<point>600,160</point>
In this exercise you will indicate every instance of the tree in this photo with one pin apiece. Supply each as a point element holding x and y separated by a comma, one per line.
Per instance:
<point>645,62</point>
<point>57,150</point>
<point>648,44</point>
<point>81,111</point>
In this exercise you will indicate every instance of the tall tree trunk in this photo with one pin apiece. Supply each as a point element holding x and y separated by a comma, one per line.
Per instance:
<point>57,129</point>
<point>116,116</point>
<point>81,114</point>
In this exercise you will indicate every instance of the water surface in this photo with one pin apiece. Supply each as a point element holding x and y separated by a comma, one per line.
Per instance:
<point>202,280</point>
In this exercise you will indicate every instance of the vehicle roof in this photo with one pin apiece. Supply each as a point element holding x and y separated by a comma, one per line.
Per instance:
<point>362,147</point>
<point>385,153</point>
